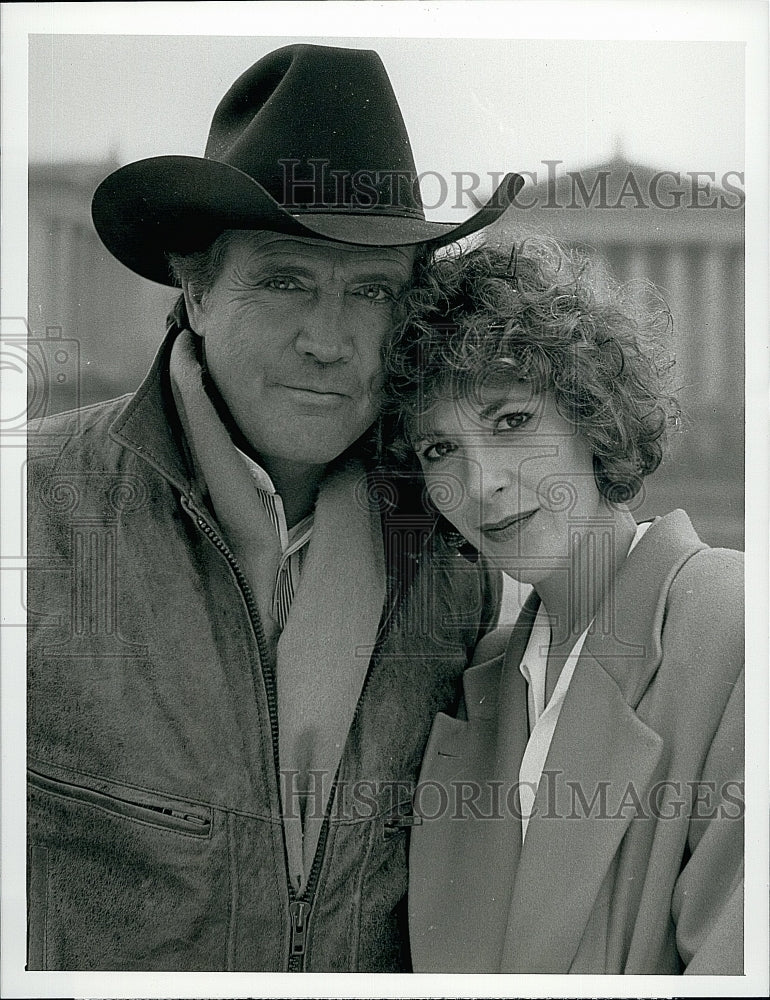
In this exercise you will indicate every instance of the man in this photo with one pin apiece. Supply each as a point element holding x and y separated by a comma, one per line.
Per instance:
<point>240,632</point>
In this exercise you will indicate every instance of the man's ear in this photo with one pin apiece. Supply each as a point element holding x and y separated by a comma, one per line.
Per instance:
<point>194,300</point>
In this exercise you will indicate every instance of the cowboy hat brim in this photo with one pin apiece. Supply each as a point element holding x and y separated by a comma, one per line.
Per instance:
<point>181,204</point>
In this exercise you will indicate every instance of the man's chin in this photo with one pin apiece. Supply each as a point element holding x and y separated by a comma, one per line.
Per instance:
<point>313,459</point>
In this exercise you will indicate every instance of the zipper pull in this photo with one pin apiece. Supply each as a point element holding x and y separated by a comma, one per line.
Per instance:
<point>393,824</point>
<point>299,911</point>
<point>188,817</point>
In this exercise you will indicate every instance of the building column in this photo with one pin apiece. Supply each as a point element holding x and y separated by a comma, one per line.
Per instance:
<point>713,288</point>
<point>677,291</point>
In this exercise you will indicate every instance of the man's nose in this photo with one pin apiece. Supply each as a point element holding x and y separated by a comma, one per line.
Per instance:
<point>323,332</point>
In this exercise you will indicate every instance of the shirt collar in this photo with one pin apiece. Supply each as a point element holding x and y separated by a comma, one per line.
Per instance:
<point>260,476</point>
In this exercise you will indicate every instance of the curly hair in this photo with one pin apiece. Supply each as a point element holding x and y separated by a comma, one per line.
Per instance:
<point>540,313</point>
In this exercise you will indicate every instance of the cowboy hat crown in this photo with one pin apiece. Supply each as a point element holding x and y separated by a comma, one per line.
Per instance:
<point>309,141</point>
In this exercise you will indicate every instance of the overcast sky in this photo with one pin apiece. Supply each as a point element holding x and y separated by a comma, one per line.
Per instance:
<point>470,104</point>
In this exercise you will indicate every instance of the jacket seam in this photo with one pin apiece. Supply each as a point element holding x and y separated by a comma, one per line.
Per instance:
<point>672,580</point>
<point>232,880</point>
<point>354,924</point>
<point>103,404</point>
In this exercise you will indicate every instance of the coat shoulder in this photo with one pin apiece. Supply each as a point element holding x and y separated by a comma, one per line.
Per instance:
<point>71,423</point>
<point>708,589</point>
<point>704,622</point>
<point>77,440</point>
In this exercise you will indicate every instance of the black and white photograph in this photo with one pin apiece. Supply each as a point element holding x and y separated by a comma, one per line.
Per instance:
<point>385,499</point>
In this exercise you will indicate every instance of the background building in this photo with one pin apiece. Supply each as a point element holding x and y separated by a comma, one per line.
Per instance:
<point>682,233</point>
<point>75,285</point>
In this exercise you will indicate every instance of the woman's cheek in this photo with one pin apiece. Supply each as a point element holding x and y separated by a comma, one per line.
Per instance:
<point>445,491</point>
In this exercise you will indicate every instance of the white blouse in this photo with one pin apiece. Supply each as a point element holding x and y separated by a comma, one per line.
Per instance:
<point>542,717</point>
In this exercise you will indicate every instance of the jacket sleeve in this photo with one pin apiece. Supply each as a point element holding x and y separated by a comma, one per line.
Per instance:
<point>707,904</point>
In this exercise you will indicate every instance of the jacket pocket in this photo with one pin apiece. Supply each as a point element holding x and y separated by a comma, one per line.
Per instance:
<point>123,879</point>
<point>133,804</point>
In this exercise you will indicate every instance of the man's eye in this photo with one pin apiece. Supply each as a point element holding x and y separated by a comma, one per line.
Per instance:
<point>376,293</point>
<point>438,450</point>
<point>281,284</point>
<point>511,421</point>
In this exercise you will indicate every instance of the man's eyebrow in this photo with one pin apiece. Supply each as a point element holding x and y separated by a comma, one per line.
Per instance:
<point>283,258</point>
<point>396,274</point>
<point>292,261</point>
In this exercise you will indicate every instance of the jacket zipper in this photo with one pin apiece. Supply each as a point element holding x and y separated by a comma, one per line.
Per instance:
<point>298,914</point>
<point>300,904</point>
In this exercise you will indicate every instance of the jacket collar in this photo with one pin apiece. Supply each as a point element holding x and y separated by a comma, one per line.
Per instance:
<point>626,639</point>
<point>563,862</point>
<point>149,424</point>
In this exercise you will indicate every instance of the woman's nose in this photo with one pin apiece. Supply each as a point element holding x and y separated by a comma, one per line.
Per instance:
<point>487,472</point>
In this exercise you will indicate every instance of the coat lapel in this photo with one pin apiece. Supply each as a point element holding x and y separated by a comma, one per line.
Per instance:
<point>600,748</point>
<point>463,855</point>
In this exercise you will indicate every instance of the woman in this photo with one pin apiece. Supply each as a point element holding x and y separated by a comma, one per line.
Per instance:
<point>583,812</point>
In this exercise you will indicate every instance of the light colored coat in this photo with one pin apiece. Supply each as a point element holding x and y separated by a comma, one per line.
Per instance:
<point>648,881</point>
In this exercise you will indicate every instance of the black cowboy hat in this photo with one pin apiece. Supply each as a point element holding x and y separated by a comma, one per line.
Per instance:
<point>309,142</point>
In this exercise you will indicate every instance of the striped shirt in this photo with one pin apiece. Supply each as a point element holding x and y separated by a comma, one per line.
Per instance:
<point>293,541</point>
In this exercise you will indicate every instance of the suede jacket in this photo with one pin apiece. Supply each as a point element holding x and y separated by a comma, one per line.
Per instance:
<point>155,836</point>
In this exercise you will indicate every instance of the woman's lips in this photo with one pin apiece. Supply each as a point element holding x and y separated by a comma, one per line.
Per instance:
<point>508,527</point>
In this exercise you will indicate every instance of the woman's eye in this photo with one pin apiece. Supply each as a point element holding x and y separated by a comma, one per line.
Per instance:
<point>511,421</point>
<point>376,293</point>
<point>435,452</point>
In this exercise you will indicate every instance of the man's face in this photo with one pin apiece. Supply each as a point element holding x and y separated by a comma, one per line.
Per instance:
<point>293,330</point>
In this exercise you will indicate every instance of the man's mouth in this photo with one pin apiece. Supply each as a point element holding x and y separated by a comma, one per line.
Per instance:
<point>318,395</point>
<point>507,526</point>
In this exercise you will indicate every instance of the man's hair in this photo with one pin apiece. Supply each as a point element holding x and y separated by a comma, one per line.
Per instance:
<point>202,267</point>
<point>539,313</point>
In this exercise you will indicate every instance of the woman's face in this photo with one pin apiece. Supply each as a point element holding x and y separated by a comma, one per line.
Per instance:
<point>512,475</point>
